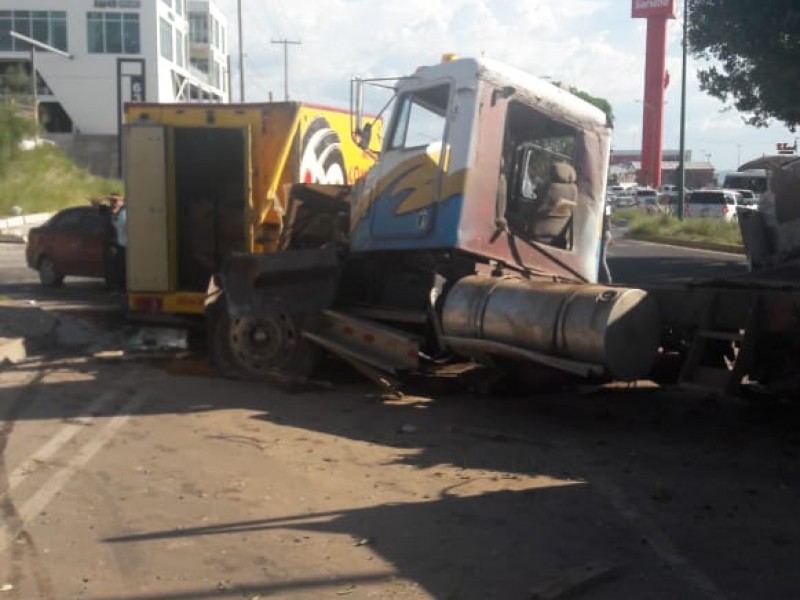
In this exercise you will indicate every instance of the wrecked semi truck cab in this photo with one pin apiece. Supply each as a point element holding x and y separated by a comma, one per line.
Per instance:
<point>207,180</point>
<point>476,236</point>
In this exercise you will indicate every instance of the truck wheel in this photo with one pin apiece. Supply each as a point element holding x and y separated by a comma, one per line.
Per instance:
<point>258,348</point>
<point>219,351</point>
<point>48,274</point>
<point>264,348</point>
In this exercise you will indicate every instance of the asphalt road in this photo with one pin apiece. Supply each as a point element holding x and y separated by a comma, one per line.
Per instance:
<point>19,282</point>
<point>633,262</point>
<point>152,480</point>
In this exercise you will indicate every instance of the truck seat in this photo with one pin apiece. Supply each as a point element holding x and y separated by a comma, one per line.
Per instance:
<point>553,224</point>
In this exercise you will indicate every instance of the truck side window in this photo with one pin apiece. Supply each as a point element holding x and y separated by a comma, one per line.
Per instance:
<point>421,118</point>
<point>542,190</point>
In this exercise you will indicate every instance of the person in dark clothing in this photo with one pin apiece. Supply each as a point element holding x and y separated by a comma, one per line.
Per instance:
<point>118,242</point>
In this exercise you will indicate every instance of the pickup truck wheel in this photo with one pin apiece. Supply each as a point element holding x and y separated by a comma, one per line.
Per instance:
<point>48,274</point>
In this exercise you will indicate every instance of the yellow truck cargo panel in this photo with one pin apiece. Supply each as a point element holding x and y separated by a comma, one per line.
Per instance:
<point>217,185</point>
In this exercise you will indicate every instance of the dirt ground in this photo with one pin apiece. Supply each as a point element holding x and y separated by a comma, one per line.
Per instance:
<point>152,479</point>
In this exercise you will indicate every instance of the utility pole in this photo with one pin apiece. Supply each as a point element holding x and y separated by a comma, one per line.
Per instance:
<point>285,43</point>
<point>682,163</point>
<point>241,51</point>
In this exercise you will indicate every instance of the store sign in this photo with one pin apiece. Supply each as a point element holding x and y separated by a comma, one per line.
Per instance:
<point>137,88</point>
<point>118,4</point>
<point>653,8</point>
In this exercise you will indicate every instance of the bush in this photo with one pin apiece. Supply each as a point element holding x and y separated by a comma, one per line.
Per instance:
<point>44,179</point>
<point>14,127</point>
<point>697,230</point>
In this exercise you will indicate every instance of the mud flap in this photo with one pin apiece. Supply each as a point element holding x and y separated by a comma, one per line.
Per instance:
<point>289,282</point>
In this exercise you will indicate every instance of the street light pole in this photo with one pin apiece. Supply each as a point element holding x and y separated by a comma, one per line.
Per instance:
<point>682,163</point>
<point>34,88</point>
<point>34,44</point>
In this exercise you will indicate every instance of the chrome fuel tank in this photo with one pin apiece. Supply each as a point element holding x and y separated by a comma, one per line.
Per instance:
<point>618,328</point>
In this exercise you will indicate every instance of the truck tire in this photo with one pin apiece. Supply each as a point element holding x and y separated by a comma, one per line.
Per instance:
<point>259,348</point>
<point>219,351</point>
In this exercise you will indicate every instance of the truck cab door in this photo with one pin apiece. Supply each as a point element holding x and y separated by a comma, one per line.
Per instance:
<point>146,202</point>
<point>407,180</point>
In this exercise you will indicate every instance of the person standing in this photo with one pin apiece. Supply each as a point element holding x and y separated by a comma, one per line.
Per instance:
<point>605,273</point>
<point>119,222</point>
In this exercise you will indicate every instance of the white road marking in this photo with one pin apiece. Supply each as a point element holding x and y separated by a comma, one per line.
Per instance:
<point>55,443</point>
<point>36,503</point>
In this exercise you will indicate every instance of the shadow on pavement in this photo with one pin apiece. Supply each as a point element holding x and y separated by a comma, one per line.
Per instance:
<point>642,270</point>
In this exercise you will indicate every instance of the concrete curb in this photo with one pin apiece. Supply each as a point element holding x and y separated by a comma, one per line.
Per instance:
<point>8,237</point>
<point>15,229</point>
<point>23,221</point>
<point>716,247</point>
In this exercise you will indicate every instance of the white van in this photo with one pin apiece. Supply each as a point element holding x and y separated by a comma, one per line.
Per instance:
<point>754,180</point>
<point>712,204</point>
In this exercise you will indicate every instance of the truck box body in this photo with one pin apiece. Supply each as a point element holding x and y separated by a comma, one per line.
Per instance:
<point>203,181</point>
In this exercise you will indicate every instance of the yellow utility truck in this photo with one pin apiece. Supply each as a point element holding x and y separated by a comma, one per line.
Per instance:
<point>204,180</point>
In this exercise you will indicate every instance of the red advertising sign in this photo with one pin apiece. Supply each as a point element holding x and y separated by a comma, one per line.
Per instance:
<point>653,8</point>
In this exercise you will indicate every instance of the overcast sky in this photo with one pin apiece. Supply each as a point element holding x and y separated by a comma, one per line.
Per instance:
<point>593,45</point>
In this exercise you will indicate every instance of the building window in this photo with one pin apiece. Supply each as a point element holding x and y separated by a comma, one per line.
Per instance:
<point>113,33</point>
<point>49,27</point>
<point>166,39</point>
<point>167,2</point>
<point>222,39</point>
<point>198,28</point>
<point>201,64</point>
<point>216,32</point>
<point>179,48</point>
<point>179,7</point>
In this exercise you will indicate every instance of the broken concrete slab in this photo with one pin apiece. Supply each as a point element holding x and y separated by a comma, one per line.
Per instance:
<point>12,350</point>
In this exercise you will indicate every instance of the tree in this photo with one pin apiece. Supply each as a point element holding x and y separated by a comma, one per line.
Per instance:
<point>754,48</point>
<point>600,103</point>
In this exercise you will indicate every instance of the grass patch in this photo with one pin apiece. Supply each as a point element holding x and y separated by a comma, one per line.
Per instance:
<point>715,231</point>
<point>625,216</point>
<point>45,179</point>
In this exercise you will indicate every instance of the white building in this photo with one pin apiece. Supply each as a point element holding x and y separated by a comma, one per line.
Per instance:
<point>121,51</point>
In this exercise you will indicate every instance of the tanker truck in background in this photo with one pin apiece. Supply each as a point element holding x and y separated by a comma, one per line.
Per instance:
<point>475,238</point>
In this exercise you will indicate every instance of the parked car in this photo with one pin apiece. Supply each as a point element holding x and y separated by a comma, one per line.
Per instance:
<point>72,242</point>
<point>747,198</point>
<point>713,204</point>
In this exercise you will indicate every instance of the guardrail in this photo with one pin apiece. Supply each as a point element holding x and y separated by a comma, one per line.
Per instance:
<point>15,229</point>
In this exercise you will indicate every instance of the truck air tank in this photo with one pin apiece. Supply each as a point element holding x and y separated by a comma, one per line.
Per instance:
<point>615,327</point>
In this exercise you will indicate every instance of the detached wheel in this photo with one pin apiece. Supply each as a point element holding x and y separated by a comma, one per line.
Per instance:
<point>48,274</point>
<point>259,348</point>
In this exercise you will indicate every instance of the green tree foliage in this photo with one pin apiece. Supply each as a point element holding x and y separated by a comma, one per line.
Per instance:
<point>600,103</point>
<point>15,126</point>
<point>754,48</point>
